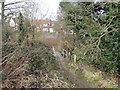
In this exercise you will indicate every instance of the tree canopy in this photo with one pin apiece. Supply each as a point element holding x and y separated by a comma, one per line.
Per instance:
<point>97,25</point>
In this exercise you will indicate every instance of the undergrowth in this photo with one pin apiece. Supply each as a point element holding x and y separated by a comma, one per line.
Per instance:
<point>36,62</point>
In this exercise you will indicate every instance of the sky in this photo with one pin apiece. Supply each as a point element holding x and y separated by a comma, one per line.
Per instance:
<point>52,5</point>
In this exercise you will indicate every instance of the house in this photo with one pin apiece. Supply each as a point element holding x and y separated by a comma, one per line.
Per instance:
<point>44,25</point>
<point>12,23</point>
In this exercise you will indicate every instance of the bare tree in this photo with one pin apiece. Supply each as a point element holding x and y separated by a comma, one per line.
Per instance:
<point>9,10</point>
<point>31,10</point>
<point>36,10</point>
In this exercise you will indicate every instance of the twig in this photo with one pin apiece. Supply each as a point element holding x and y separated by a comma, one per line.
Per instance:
<point>106,27</point>
<point>9,55</point>
<point>14,3</point>
<point>104,35</point>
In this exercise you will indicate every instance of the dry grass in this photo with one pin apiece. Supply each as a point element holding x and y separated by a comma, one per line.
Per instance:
<point>56,42</point>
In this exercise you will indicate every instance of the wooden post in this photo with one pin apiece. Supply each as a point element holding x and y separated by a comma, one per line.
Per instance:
<point>75,57</point>
<point>54,51</point>
<point>66,54</point>
<point>69,55</point>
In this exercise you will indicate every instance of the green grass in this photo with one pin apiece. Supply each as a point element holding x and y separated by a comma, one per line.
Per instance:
<point>79,74</point>
<point>88,76</point>
<point>37,35</point>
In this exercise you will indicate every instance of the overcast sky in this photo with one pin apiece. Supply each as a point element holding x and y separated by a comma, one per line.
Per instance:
<point>52,5</point>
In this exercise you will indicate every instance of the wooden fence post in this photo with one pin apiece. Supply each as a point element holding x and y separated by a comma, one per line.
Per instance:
<point>54,51</point>
<point>75,57</point>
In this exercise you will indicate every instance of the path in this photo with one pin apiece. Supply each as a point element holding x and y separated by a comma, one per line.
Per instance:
<point>79,83</point>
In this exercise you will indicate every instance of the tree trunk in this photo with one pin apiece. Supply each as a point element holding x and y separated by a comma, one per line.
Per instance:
<point>2,16</point>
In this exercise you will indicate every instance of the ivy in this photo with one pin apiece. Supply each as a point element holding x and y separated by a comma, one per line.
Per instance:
<point>98,32</point>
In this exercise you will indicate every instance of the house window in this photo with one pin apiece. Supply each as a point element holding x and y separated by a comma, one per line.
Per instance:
<point>44,24</point>
<point>51,30</point>
<point>45,29</point>
<point>52,24</point>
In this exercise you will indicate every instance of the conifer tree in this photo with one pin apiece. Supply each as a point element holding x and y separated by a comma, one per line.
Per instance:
<point>21,28</point>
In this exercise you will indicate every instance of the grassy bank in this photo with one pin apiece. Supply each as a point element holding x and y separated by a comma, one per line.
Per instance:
<point>92,75</point>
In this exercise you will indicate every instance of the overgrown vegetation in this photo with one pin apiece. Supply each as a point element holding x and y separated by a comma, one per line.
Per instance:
<point>29,63</point>
<point>26,62</point>
<point>96,33</point>
<point>34,64</point>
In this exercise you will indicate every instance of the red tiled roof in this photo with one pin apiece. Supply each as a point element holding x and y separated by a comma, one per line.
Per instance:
<point>38,23</point>
<point>46,21</point>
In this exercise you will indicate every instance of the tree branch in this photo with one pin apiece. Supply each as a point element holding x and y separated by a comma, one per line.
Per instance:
<point>99,40</point>
<point>14,3</point>
<point>13,8</point>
